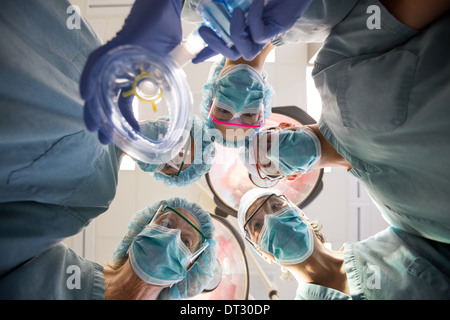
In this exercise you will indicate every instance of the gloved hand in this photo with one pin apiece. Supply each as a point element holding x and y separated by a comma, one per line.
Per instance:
<point>270,21</point>
<point>153,24</point>
<point>264,23</point>
<point>243,44</point>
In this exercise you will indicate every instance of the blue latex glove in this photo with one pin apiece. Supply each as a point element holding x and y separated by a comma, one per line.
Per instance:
<point>243,44</point>
<point>264,23</point>
<point>153,24</point>
<point>270,21</point>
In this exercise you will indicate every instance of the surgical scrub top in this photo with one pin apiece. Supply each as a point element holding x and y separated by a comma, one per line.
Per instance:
<point>55,176</point>
<point>385,91</point>
<point>390,265</point>
<point>385,96</point>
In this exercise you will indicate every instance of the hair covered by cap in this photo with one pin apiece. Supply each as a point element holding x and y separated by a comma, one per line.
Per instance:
<point>248,199</point>
<point>201,273</point>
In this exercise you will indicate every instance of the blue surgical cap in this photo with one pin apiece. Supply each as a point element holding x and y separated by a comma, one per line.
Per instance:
<point>204,155</point>
<point>201,273</point>
<point>207,93</point>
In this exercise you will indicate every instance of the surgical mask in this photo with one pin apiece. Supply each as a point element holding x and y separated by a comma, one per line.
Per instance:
<point>290,152</point>
<point>238,98</point>
<point>158,256</point>
<point>287,237</point>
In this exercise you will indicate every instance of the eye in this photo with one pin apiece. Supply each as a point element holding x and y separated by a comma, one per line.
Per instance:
<point>256,225</point>
<point>276,206</point>
<point>187,242</point>
<point>224,111</point>
<point>166,220</point>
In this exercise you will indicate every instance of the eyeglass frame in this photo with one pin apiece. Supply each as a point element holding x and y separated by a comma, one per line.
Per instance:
<point>213,117</point>
<point>247,236</point>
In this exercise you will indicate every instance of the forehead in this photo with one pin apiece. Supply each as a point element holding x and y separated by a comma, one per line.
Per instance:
<point>188,216</point>
<point>254,206</point>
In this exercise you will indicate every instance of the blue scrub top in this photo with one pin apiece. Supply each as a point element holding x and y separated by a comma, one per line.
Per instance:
<point>55,176</point>
<point>58,273</point>
<point>391,265</point>
<point>385,95</point>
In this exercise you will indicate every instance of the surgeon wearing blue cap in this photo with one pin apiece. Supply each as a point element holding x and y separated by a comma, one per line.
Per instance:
<point>191,163</point>
<point>168,252</point>
<point>390,265</point>
<point>170,247</point>
<point>236,100</point>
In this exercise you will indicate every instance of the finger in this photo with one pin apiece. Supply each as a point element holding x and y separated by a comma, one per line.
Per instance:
<point>272,30</point>
<point>126,108</point>
<point>217,44</point>
<point>205,54</point>
<point>91,117</point>
<point>256,22</point>
<point>105,134</point>
<point>89,75</point>
<point>242,40</point>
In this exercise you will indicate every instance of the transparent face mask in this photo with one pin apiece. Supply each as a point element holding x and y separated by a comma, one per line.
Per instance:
<point>191,235</point>
<point>135,84</point>
<point>274,205</point>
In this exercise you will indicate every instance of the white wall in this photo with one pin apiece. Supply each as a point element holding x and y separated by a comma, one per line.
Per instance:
<point>336,207</point>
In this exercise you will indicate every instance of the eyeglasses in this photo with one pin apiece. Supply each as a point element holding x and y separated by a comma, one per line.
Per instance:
<point>191,236</point>
<point>264,166</point>
<point>273,204</point>
<point>226,117</point>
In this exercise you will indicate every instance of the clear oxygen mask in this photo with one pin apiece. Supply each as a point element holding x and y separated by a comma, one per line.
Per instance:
<point>148,87</point>
<point>157,88</point>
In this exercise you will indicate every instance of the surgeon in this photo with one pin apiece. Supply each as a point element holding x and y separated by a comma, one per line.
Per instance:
<point>390,265</point>
<point>382,74</point>
<point>168,253</point>
<point>288,151</point>
<point>237,99</point>
<point>191,163</point>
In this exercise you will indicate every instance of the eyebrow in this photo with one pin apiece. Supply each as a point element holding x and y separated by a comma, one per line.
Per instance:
<point>257,208</point>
